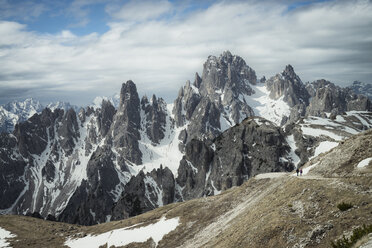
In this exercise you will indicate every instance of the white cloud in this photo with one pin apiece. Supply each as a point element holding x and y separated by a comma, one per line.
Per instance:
<point>139,10</point>
<point>326,40</point>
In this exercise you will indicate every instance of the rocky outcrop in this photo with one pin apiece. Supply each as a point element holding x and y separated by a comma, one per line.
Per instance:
<point>12,169</point>
<point>313,99</point>
<point>96,191</point>
<point>69,131</point>
<point>247,149</point>
<point>362,89</point>
<point>289,87</point>
<point>155,118</point>
<point>106,117</point>
<point>215,100</point>
<point>327,97</point>
<point>145,192</point>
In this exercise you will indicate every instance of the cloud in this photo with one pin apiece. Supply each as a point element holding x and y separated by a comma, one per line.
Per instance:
<point>331,40</point>
<point>23,10</point>
<point>139,10</point>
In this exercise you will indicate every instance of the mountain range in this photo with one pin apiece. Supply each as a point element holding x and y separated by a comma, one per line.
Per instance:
<point>106,163</point>
<point>329,205</point>
<point>19,111</point>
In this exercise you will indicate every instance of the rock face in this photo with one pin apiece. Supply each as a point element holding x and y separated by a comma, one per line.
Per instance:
<point>289,87</point>
<point>145,192</point>
<point>243,151</point>
<point>155,120</point>
<point>362,89</point>
<point>328,97</point>
<point>213,102</point>
<point>107,162</point>
<point>125,129</point>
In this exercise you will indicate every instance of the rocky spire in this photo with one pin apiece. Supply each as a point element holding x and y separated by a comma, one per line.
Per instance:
<point>126,125</point>
<point>155,120</point>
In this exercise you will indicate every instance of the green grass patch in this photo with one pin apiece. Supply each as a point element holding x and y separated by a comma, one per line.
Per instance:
<point>344,206</point>
<point>358,233</point>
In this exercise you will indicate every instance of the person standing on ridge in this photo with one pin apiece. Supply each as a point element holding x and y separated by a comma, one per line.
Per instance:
<point>297,171</point>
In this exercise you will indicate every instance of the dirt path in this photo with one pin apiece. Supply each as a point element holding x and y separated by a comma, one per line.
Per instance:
<point>209,232</point>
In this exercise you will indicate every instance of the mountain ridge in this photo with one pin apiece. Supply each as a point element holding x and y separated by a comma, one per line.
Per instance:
<point>144,154</point>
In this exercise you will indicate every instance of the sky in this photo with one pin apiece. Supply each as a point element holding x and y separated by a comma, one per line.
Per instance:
<point>75,50</point>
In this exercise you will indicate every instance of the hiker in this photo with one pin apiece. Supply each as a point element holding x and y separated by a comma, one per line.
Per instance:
<point>301,172</point>
<point>297,171</point>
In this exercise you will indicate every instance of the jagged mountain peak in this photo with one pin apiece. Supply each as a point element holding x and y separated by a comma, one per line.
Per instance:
<point>362,88</point>
<point>288,69</point>
<point>289,74</point>
<point>197,80</point>
<point>29,104</point>
<point>128,90</point>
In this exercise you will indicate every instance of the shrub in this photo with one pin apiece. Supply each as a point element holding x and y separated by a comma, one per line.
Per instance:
<point>344,206</point>
<point>358,233</point>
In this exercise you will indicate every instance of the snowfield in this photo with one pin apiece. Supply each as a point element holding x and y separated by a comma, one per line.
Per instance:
<point>166,153</point>
<point>4,234</point>
<point>264,106</point>
<point>316,132</point>
<point>124,236</point>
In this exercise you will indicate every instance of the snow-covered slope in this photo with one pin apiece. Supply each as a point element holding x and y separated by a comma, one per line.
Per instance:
<point>62,105</point>
<point>97,102</point>
<point>266,107</point>
<point>17,111</point>
<point>167,152</point>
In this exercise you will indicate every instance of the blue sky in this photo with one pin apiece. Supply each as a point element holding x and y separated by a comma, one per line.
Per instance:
<point>77,49</point>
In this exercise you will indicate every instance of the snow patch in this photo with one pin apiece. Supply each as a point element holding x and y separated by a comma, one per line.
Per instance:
<point>166,153</point>
<point>215,190</point>
<point>358,115</point>
<point>307,169</point>
<point>364,162</point>
<point>124,236</point>
<point>150,183</point>
<point>291,142</point>
<point>264,106</point>
<point>316,132</point>
<point>323,147</point>
<point>224,123</point>
<point>194,169</point>
<point>4,235</point>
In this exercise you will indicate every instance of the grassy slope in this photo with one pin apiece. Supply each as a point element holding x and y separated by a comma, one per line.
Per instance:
<point>279,212</point>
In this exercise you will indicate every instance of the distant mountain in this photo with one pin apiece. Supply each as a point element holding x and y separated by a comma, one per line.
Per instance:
<point>107,163</point>
<point>97,102</point>
<point>19,111</point>
<point>362,88</point>
<point>62,105</point>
